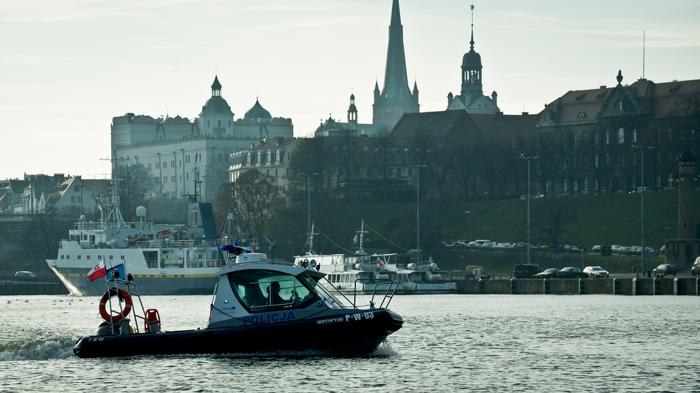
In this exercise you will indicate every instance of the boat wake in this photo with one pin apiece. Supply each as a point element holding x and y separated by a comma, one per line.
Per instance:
<point>384,350</point>
<point>40,349</point>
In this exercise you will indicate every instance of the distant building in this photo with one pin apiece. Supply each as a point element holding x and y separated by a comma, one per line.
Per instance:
<point>271,157</point>
<point>178,153</point>
<point>395,98</point>
<point>332,127</point>
<point>63,195</point>
<point>463,155</point>
<point>472,98</point>
<point>589,140</point>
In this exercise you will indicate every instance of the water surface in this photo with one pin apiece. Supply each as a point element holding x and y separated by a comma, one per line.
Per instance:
<point>449,343</point>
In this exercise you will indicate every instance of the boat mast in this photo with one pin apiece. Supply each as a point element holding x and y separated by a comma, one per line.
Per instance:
<point>310,239</point>
<point>361,234</point>
<point>114,218</point>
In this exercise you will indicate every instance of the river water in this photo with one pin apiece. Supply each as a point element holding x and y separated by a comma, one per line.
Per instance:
<point>449,343</point>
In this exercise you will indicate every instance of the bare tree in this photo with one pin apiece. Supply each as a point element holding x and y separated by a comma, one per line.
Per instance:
<point>254,199</point>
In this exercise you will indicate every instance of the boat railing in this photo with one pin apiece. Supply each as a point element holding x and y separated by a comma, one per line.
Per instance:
<point>390,285</point>
<point>96,225</point>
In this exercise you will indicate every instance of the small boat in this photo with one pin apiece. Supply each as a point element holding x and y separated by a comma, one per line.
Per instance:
<point>258,307</point>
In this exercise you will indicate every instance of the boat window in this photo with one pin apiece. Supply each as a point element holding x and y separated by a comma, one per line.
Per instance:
<point>265,290</point>
<point>330,300</point>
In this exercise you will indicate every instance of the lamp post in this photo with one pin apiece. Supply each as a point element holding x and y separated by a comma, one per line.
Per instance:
<point>642,149</point>
<point>528,159</point>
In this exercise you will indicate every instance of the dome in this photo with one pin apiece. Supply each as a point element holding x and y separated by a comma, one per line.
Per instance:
<point>330,125</point>
<point>257,112</point>
<point>216,105</point>
<point>471,60</point>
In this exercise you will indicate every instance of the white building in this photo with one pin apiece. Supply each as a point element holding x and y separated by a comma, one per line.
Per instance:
<point>179,153</point>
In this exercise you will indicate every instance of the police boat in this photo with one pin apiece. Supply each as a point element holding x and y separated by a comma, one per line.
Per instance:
<point>258,307</point>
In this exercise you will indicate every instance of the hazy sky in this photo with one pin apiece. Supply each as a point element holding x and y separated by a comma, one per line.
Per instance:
<point>67,67</point>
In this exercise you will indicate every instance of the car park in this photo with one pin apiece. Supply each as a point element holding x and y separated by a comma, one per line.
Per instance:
<point>552,272</point>
<point>572,272</point>
<point>525,270</point>
<point>665,269</point>
<point>596,272</point>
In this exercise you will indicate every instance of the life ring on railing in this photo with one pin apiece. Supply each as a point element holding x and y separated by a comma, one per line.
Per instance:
<point>121,295</point>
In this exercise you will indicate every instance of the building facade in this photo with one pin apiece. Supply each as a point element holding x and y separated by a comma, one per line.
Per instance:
<point>271,158</point>
<point>593,140</point>
<point>180,154</point>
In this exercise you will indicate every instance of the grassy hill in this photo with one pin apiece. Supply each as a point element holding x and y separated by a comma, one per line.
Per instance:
<point>583,221</point>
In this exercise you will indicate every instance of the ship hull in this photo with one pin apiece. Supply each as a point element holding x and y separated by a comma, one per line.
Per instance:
<point>77,283</point>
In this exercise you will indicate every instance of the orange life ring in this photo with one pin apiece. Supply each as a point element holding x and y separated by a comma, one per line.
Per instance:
<point>122,295</point>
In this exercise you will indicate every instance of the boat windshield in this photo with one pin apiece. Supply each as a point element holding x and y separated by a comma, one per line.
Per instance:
<point>323,293</point>
<point>265,290</point>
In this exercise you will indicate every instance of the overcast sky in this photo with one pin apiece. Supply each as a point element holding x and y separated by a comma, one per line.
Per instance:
<point>67,67</point>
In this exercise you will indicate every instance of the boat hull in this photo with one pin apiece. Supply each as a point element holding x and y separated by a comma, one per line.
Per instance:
<point>342,334</point>
<point>75,280</point>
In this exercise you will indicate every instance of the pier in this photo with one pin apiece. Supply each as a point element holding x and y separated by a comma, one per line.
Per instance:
<point>677,286</point>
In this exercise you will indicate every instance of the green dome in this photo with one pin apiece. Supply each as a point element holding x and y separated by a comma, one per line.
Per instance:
<point>257,112</point>
<point>216,105</point>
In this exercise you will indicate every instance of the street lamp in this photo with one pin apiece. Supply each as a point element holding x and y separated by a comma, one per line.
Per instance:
<point>642,149</point>
<point>528,159</point>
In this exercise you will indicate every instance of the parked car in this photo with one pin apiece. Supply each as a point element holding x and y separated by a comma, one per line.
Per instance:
<point>572,272</point>
<point>665,269</point>
<point>525,270</point>
<point>696,267</point>
<point>25,275</point>
<point>552,272</point>
<point>596,272</point>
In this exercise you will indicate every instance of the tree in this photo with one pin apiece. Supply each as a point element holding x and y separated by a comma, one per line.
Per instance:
<point>554,223</point>
<point>135,184</point>
<point>254,199</point>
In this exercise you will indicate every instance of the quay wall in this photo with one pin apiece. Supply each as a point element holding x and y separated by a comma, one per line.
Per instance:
<point>679,286</point>
<point>31,288</point>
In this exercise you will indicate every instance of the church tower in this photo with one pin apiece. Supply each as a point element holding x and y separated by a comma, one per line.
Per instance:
<point>352,110</point>
<point>471,68</point>
<point>472,98</point>
<point>396,97</point>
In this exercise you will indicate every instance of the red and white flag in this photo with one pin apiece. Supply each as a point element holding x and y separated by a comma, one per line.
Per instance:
<point>97,272</point>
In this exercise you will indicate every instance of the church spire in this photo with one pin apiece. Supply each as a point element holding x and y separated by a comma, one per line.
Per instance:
<point>395,77</point>
<point>471,43</point>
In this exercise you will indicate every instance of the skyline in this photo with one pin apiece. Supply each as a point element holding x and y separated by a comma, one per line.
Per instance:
<point>74,66</point>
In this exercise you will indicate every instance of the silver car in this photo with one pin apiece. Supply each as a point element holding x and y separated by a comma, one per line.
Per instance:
<point>596,272</point>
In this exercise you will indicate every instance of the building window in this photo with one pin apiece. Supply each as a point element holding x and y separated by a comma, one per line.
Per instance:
<point>219,123</point>
<point>670,134</point>
<point>621,136</point>
<point>607,137</point>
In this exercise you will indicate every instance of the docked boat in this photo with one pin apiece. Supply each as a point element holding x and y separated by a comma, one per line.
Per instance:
<point>367,274</point>
<point>166,259</point>
<point>258,306</point>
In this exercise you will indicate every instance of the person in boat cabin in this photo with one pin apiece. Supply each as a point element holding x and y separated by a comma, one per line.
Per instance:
<point>275,298</point>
